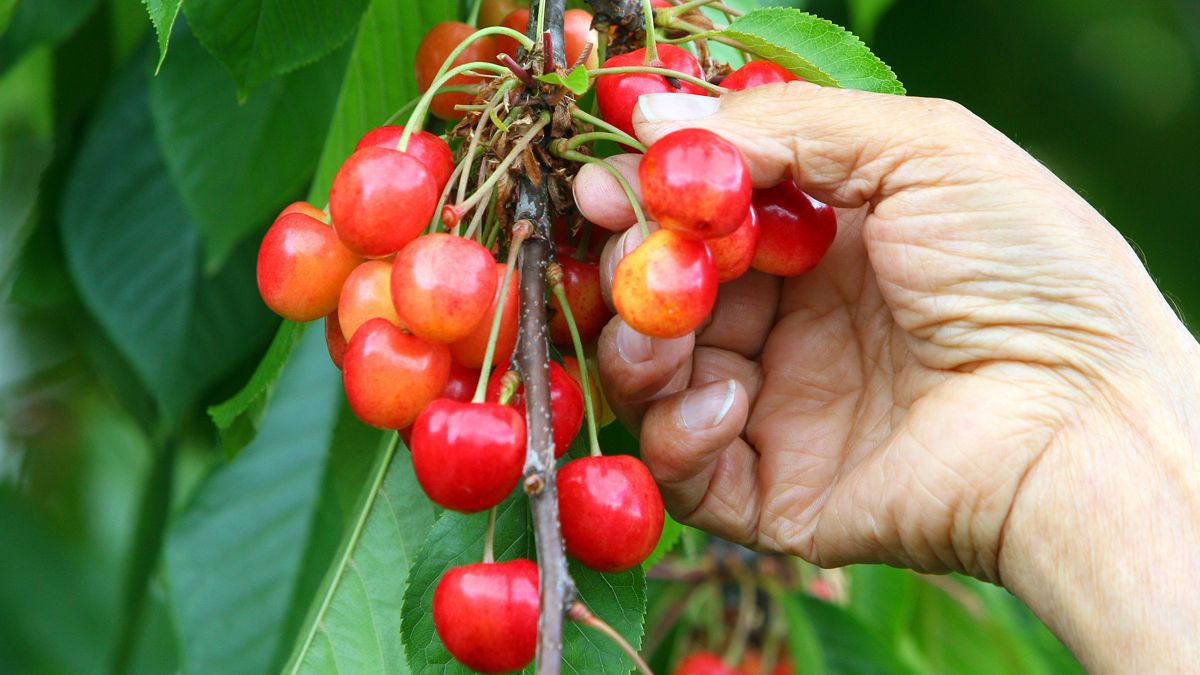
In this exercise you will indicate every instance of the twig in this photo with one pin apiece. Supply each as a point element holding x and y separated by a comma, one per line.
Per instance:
<point>582,615</point>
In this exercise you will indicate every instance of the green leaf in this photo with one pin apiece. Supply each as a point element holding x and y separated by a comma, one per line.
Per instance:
<point>7,7</point>
<point>355,624</point>
<point>671,534</point>
<point>818,50</point>
<point>619,599</point>
<point>37,22</point>
<point>236,165</point>
<point>576,80</point>
<point>849,646</point>
<point>235,554</point>
<point>866,14</point>
<point>884,598</point>
<point>238,418</point>
<point>162,14</point>
<point>257,40</point>
<point>23,158</point>
<point>804,648</point>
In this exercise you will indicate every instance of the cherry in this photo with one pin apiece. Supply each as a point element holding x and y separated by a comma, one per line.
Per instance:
<point>432,151</point>
<point>432,53</point>
<point>566,404</point>
<point>618,94</point>
<point>752,664</point>
<point>390,376</point>
<point>305,208</point>
<point>443,286</point>
<point>734,252</point>
<point>756,74</point>
<point>696,183</point>
<point>493,12</point>
<point>577,32</point>
<point>703,663</point>
<point>460,385</point>
<point>301,268</point>
<point>381,200</point>
<point>366,295</point>
<point>468,456</point>
<point>795,230</point>
<point>581,283</point>
<point>667,286</point>
<point>487,614</point>
<point>470,350</point>
<point>334,340</point>
<point>611,511</point>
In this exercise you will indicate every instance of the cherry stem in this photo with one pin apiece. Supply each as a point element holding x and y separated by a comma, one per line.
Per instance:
<point>554,278</point>
<point>518,70</point>
<point>417,119</point>
<point>665,72</point>
<point>676,10</point>
<point>519,147</point>
<point>582,615</point>
<point>576,156</point>
<point>547,53</point>
<point>407,107</point>
<point>584,241</point>
<point>492,103</point>
<point>593,136</point>
<point>651,46</point>
<point>437,214</point>
<point>521,232</point>
<point>698,33</point>
<point>772,646</point>
<point>473,17</point>
<point>582,116</point>
<point>747,608</point>
<point>489,539</point>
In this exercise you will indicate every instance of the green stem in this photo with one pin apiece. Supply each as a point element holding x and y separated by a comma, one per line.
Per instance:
<point>582,116</point>
<point>541,23</point>
<point>576,156</point>
<point>651,46</point>
<point>417,119</point>
<point>473,17</point>
<point>489,539</point>
<point>584,241</point>
<point>665,72</point>
<point>698,33</point>
<point>434,224</point>
<point>676,10</point>
<point>592,136</point>
<point>560,294</point>
<point>407,107</point>
<point>485,370</point>
<point>483,190</point>
<point>475,138</point>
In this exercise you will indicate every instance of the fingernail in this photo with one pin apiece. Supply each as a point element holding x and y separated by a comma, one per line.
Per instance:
<point>707,407</point>
<point>676,107</point>
<point>632,346</point>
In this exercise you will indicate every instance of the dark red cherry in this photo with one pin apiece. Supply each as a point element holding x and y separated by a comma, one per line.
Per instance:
<point>795,230</point>
<point>487,614</point>
<point>611,511</point>
<point>468,456</point>
<point>566,404</point>
<point>617,95</point>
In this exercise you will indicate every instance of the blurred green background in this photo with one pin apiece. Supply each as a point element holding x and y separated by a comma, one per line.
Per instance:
<point>130,207</point>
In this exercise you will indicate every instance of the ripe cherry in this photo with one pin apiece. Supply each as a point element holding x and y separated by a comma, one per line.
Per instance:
<point>795,230</point>
<point>432,52</point>
<point>301,268</point>
<point>366,295</point>
<point>756,74</point>
<point>468,456</point>
<point>617,95</point>
<point>667,286</point>
<point>752,664</point>
<point>487,614</point>
<point>611,511</point>
<point>577,32</point>
<point>390,376</point>
<point>566,404</point>
<point>381,200</point>
<point>493,12</point>
<point>460,385</point>
<point>305,208</point>
<point>443,286</point>
<point>581,282</point>
<point>734,252</point>
<point>334,340</point>
<point>696,183</point>
<point>432,151</point>
<point>703,663</point>
<point>470,350</point>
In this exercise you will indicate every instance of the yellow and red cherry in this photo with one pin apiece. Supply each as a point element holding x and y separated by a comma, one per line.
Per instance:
<point>468,456</point>
<point>577,33</point>
<point>381,200</point>
<point>667,286</point>
<point>305,208</point>
<point>493,12</point>
<point>696,183</point>
<point>442,39</point>
<point>756,74</point>
<point>366,295</point>
<point>617,95</point>
<point>581,283</point>
<point>301,268</point>
<point>470,349</point>
<point>334,340</point>
<point>487,614</point>
<point>733,253</point>
<point>443,286</point>
<point>566,404</point>
<point>611,511</point>
<point>795,230</point>
<point>390,376</point>
<point>431,150</point>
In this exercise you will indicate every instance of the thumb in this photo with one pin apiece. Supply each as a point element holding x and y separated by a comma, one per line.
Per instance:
<point>844,147</point>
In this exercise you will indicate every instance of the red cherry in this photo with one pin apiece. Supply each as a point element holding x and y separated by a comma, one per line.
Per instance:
<point>659,4</point>
<point>460,385</point>
<point>696,183</point>
<point>366,295</point>
<point>334,340</point>
<point>795,230</point>
<point>752,664</point>
<point>470,350</point>
<point>493,12</point>
<point>443,286</point>
<point>577,31</point>
<point>432,151</point>
<point>566,404</point>
<point>734,252</point>
<point>487,614</point>
<point>301,268</point>
<point>667,286</point>
<point>431,54</point>
<point>381,200</point>
<point>618,94</point>
<point>581,282</point>
<point>305,208</point>
<point>611,511</point>
<point>703,663</point>
<point>756,74</point>
<point>468,456</point>
<point>390,376</point>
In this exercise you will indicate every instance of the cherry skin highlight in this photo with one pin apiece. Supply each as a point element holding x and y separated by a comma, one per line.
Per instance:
<point>566,404</point>
<point>757,74</point>
<point>390,376</point>
<point>431,54</point>
<point>617,95</point>
<point>667,286</point>
<point>301,268</point>
<point>703,663</point>
<point>305,208</point>
<point>470,349</point>
<point>443,286</point>
<point>334,340</point>
<point>733,253</point>
<point>430,150</point>
<point>487,614</point>
<point>611,511</point>
<point>696,183</point>
<point>581,283</point>
<point>795,230</point>
<point>468,456</point>
<point>381,200</point>
<point>366,295</point>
